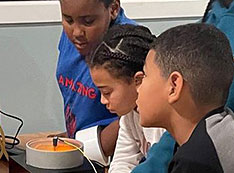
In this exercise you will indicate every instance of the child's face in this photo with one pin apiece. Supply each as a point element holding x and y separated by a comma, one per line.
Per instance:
<point>118,96</point>
<point>86,21</point>
<point>152,100</point>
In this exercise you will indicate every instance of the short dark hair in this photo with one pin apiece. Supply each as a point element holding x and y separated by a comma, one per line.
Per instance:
<point>105,2</point>
<point>203,56</point>
<point>123,50</point>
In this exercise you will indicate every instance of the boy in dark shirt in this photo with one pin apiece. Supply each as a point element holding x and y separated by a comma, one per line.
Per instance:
<point>188,72</point>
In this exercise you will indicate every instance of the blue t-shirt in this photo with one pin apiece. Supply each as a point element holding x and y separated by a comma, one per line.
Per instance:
<point>82,106</point>
<point>223,19</point>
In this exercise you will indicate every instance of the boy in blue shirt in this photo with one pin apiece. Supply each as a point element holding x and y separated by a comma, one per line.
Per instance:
<point>85,23</point>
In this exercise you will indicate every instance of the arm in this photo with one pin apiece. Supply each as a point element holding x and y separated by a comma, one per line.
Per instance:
<point>98,140</point>
<point>127,152</point>
<point>108,137</point>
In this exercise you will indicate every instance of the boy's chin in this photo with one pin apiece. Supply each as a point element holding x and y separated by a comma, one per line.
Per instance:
<point>145,123</point>
<point>83,52</point>
<point>120,114</point>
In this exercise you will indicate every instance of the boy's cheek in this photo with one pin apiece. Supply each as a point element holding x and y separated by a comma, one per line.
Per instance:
<point>67,29</point>
<point>139,102</point>
<point>138,99</point>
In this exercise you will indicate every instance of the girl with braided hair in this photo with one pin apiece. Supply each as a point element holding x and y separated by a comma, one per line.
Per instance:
<point>116,68</point>
<point>220,13</point>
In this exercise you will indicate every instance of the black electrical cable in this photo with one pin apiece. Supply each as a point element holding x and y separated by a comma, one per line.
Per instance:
<point>16,141</point>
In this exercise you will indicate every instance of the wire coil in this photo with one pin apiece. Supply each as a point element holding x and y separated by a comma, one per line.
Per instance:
<point>14,138</point>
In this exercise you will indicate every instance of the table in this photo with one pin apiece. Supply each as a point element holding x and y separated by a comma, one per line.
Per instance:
<point>17,160</point>
<point>4,166</point>
<point>17,164</point>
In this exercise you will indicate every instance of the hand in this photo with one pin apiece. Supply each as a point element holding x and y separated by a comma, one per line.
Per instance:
<point>108,138</point>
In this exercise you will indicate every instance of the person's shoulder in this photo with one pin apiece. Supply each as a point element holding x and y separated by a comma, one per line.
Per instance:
<point>123,19</point>
<point>199,145</point>
<point>64,42</point>
<point>195,158</point>
<point>67,49</point>
<point>219,14</point>
<point>220,128</point>
<point>191,165</point>
<point>128,118</point>
<point>222,124</point>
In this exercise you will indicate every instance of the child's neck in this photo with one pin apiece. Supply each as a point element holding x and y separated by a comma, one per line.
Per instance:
<point>182,124</point>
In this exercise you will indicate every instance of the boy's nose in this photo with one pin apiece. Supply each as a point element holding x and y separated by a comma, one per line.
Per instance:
<point>104,100</point>
<point>137,88</point>
<point>78,31</point>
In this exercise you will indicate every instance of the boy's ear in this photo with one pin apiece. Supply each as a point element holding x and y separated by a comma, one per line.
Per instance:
<point>114,9</point>
<point>176,83</point>
<point>138,77</point>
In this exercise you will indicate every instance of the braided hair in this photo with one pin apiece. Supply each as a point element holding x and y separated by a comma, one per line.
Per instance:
<point>223,3</point>
<point>123,51</point>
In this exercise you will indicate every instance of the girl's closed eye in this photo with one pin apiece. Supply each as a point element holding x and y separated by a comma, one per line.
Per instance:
<point>106,92</point>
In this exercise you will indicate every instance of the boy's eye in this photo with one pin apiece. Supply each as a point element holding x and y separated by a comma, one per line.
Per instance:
<point>69,20</point>
<point>88,20</point>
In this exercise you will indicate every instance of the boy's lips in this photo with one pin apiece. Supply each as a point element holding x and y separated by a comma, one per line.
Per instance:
<point>80,45</point>
<point>112,111</point>
<point>137,109</point>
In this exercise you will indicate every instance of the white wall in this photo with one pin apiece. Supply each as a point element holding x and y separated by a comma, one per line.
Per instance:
<point>152,9</point>
<point>48,11</point>
<point>29,34</point>
<point>28,89</point>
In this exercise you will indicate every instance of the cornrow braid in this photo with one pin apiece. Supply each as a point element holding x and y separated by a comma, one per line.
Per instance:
<point>123,50</point>
<point>132,34</point>
<point>125,58</point>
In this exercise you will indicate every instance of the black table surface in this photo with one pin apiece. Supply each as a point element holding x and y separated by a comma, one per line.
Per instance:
<point>19,157</point>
